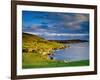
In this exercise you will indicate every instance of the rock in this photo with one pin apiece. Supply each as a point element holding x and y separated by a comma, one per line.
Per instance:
<point>51,57</point>
<point>25,50</point>
<point>65,61</point>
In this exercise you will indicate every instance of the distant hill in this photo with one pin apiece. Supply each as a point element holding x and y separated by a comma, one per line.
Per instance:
<point>69,41</point>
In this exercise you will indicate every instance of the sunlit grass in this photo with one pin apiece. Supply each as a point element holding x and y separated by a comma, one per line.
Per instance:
<point>31,60</point>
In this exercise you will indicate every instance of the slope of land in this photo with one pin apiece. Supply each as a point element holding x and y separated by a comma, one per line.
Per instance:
<point>36,51</point>
<point>36,44</point>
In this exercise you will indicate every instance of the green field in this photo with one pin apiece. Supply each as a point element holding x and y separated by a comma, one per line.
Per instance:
<point>36,51</point>
<point>36,61</point>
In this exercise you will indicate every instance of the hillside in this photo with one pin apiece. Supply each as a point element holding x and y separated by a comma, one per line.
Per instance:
<point>36,53</point>
<point>36,44</point>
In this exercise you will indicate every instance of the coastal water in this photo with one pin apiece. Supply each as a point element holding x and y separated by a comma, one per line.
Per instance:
<point>76,52</point>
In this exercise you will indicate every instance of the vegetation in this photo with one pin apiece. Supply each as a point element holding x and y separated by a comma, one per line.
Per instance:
<point>36,51</point>
<point>35,44</point>
<point>37,61</point>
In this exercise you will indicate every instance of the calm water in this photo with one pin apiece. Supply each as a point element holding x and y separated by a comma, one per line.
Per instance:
<point>76,51</point>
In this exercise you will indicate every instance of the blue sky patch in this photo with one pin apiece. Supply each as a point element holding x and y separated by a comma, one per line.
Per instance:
<point>56,25</point>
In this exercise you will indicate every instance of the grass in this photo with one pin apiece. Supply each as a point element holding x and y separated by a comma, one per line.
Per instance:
<point>35,51</point>
<point>33,43</point>
<point>36,61</point>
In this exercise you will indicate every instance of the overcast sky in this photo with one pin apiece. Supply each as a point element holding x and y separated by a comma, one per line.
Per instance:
<point>56,25</point>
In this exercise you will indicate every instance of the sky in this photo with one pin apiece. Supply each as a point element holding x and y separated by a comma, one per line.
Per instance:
<point>56,25</point>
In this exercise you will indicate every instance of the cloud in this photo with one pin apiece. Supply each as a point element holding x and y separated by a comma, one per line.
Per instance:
<point>65,34</point>
<point>61,36</point>
<point>57,34</point>
<point>58,23</point>
<point>82,17</point>
<point>75,21</point>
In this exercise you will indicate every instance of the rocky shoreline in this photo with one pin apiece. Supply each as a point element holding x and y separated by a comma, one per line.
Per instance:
<point>50,55</point>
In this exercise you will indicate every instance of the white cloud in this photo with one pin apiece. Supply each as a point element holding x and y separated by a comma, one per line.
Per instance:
<point>57,34</point>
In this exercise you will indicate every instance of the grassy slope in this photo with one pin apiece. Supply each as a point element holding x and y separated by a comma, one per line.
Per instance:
<point>39,56</point>
<point>38,44</point>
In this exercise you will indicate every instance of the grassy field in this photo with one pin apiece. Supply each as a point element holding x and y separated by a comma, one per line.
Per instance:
<point>37,61</point>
